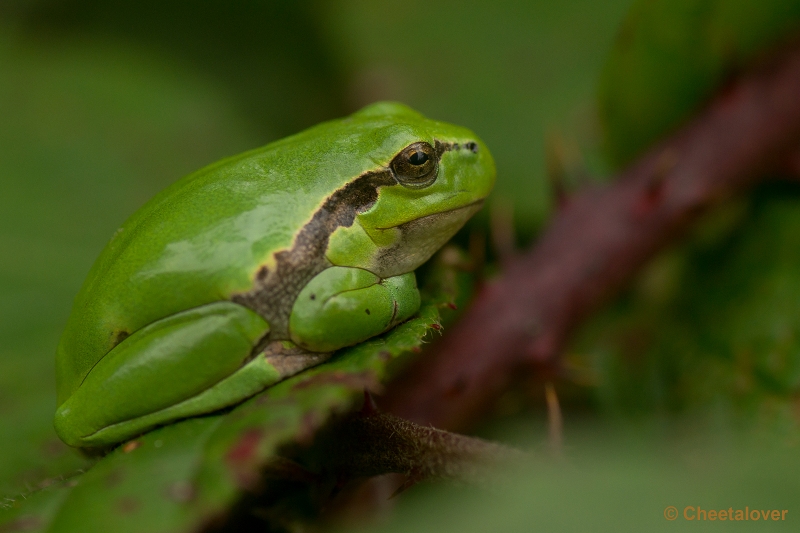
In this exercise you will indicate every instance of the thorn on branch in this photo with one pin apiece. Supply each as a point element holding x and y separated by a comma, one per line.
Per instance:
<point>370,408</point>
<point>412,478</point>
<point>792,166</point>
<point>654,187</point>
<point>556,161</point>
<point>501,226</point>
<point>555,421</point>
<point>477,253</point>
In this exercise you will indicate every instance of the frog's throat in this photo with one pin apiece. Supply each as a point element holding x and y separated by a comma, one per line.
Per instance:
<point>275,290</point>
<point>419,239</point>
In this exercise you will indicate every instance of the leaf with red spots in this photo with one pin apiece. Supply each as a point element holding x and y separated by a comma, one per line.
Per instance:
<point>186,475</point>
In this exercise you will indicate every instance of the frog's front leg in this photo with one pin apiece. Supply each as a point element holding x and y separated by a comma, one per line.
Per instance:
<point>343,306</point>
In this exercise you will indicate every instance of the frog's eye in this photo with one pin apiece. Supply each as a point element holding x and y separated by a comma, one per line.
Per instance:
<point>416,166</point>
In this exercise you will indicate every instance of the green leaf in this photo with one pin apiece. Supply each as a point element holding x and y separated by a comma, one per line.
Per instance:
<point>181,476</point>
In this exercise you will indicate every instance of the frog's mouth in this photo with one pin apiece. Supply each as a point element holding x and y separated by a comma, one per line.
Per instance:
<point>417,240</point>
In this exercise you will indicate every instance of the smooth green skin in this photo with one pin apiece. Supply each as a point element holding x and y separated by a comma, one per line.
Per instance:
<point>167,276</point>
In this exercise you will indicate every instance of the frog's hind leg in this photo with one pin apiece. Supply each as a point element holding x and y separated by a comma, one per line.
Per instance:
<point>277,362</point>
<point>191,363</point>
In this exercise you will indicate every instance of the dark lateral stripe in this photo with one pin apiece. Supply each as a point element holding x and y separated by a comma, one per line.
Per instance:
<point>274,291</point>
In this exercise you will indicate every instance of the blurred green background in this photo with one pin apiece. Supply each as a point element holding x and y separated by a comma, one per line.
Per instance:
<point>104,103</point>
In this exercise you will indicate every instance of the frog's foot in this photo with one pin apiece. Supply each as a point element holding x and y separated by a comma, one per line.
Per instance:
<point>343,306</point>
<point>289,359</point>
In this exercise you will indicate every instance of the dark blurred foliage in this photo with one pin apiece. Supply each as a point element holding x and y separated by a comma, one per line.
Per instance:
<point>669,57</point>
<point>270,55</point>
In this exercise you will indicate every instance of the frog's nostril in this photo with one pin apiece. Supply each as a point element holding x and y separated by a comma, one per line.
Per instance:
<point>472,147</point>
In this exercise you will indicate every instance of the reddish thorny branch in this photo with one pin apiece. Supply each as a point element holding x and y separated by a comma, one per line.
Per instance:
<point>597,242</point>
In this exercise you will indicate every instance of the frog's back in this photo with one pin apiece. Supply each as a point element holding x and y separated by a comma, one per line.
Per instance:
<point>204,238</point>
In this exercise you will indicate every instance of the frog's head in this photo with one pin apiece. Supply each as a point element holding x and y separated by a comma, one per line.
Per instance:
<point>436,177</point>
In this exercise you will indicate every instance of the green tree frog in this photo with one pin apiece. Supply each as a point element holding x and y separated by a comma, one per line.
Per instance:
<point>260,266</point>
